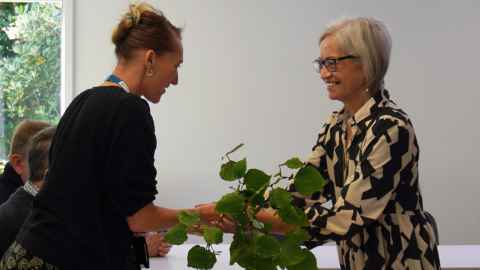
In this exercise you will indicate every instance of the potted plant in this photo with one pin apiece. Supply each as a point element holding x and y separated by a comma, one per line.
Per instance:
<point>253,246</point>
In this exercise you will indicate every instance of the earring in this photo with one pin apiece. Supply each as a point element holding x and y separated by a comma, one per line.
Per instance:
<point>149,73</point>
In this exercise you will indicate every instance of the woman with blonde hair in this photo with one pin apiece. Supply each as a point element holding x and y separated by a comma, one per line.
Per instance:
<point>100,186</point>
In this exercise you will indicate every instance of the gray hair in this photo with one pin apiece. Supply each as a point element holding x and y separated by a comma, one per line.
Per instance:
<point>368,39</point>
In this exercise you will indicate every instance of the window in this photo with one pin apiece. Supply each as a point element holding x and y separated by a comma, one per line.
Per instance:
<point>35,45</point>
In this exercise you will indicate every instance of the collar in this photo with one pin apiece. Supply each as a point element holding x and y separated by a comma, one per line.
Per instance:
<point>368,109</point>
<point>30,188</point>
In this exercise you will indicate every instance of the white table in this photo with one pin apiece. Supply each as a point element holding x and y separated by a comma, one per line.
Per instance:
<point>451,257</point>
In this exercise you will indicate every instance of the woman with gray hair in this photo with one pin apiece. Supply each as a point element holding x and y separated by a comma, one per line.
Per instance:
<point>368,153</point>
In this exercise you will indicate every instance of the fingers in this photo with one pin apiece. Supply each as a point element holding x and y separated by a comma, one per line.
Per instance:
<point>163,249</point>
<point>156,244</point>
<point>225,224</point>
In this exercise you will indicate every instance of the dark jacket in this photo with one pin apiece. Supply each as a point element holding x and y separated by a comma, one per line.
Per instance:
<point>12,216</point>
<point>9,182</point>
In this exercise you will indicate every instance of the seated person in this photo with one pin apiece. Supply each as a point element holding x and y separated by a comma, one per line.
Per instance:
<point>16,209</point>
<point>14,175</point>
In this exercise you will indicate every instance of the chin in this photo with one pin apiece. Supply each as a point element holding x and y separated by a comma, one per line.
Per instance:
<point>154,100</point>
<point>332,95</point>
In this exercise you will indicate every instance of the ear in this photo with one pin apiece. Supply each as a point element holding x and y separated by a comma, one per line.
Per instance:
<point>150,58</point>
<point>17,162</point>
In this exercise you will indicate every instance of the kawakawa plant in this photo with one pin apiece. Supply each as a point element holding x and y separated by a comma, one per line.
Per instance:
<point>253,245</point>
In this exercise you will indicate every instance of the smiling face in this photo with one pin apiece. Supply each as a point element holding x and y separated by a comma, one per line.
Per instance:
<point>347,84</point>
<point>161,71</point>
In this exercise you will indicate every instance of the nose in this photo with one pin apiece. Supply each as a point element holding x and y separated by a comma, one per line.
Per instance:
<point>175,79</point>
<point>325,74</point>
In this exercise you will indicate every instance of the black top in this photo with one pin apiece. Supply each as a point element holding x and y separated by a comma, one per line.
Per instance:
<point>101,171</point>
<point>12,215</point>
<point>9,182</point>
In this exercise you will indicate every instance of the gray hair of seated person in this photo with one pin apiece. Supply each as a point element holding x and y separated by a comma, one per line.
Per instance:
<point>369,40</point>
<point>37,153</point>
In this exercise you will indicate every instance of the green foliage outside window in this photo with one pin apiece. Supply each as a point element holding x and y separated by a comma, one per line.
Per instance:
<point>30,66</point>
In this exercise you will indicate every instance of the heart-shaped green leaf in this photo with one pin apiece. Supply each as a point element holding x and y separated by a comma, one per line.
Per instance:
<point>177,235</point>
<point>290,254</point>
<point>293,215</point>
<point>280,198</point>
<point>239,168</point>
<point>227,171</point>
<point>267,246</point>
<point>201,258</point>
<point>294,163</point>
<point>213,235</point>
<point>308,181</point>
<point>231,203</point>
<point>297,236</point>
<point>188,218</point>
<point>309,262</point>
<point>256,179</point>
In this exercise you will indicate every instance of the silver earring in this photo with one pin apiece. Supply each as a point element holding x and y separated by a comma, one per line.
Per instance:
<point>149,73</point>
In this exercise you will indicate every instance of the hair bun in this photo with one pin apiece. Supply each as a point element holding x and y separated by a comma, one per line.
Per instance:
<point>129,21</point>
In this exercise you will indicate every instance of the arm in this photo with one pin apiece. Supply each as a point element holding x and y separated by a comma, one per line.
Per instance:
<point>278,226</point>
<point>208,214</point>
<point>153,218</point>
<point>318,159</point>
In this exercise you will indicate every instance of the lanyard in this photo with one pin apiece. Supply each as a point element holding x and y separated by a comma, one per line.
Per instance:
<point>117,80</point>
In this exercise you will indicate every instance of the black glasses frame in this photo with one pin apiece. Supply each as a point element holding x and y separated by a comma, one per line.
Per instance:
<point>330,63</point>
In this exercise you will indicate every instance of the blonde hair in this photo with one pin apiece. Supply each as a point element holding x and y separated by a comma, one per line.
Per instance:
<point>144,27</point>
<point>368,39</point>
<point>25,130</point>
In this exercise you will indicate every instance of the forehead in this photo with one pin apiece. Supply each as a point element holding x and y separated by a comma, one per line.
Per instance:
<point>329,48</point>
<point>179,50</point>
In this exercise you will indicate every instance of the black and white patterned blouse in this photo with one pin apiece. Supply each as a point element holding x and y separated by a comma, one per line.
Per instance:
<point>377,216</point>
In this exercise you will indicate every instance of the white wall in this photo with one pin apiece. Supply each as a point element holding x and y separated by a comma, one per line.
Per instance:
<point>248,77</point>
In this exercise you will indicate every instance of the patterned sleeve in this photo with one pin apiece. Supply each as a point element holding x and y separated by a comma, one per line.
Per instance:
<point>387,151</point>
<point>318,159</point>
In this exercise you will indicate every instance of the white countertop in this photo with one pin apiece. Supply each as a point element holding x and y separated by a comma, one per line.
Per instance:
<point>451,257</point>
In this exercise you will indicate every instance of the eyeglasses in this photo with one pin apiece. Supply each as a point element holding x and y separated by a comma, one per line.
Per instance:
<point>330,63</point>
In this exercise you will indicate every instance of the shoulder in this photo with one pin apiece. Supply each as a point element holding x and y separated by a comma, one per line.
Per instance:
<point>391,115</point>
<point>393,124</point>
<point>332,119</point>
<point>17,202</point>
<point>134,103</point>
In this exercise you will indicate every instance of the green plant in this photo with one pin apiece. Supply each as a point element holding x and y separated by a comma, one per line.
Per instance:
<point>253,246</point>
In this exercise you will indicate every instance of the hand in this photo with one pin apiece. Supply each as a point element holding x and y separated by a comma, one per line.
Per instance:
<point>157,246</point>
<point>213,218</point>
<point>207,212</point>
<point>225,224</point>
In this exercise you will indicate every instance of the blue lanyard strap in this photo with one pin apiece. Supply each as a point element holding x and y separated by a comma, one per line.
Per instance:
<point>115,79</point>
